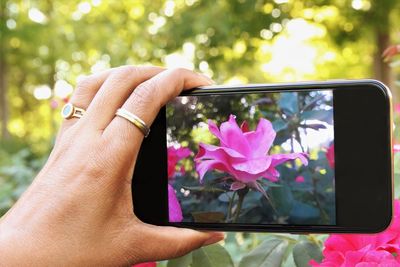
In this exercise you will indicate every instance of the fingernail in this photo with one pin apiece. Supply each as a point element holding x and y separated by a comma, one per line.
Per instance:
<point>208,79</point>
<point>214,239</point>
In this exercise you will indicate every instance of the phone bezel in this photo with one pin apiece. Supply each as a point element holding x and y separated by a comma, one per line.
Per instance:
<point>155,210</point>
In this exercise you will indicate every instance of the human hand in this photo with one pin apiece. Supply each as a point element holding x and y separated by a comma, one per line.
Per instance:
<point>78,210</point>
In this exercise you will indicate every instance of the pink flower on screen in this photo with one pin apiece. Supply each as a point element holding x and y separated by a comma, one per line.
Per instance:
<point>330,156</point>
<point>146,264</point>
<point>174,208</point>
<point>396,148</point>
<point>243,153</point>
<point>363,250</point>
<point>299,179</point>
<point>174,156</point>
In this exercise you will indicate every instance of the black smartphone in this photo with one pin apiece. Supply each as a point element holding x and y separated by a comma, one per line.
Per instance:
<point>310,157</point>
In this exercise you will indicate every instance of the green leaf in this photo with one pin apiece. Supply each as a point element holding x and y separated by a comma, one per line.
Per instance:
<point>212,256</point>
<point>305,251</point>
<point>184,261</point>
<point>208,216</point>
<point>226,197</point>
<point>279,125</point>
<point>303,213</point>
<point>288,103</point>
<point>397,185</point>
<point>282,197</point>
<point>321,115</point>
<point>270,253</point>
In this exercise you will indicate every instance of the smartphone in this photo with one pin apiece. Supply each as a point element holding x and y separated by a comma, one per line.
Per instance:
<point>309,157</point>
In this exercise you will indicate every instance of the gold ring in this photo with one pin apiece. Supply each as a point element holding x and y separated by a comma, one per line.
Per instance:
<point>135,120</point>
<point>70,111</point>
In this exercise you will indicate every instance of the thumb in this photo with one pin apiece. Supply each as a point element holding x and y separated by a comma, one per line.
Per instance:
<point>162,242</point>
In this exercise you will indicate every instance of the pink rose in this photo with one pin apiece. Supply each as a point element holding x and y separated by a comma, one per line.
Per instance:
<point>242,153</point>
<point>330,156</point>
<point>397,109</point>
<point>362,250</point>
<point>299,179</point>
<point>146,264</point>
<point>396,148</point>
<point>174,156</point>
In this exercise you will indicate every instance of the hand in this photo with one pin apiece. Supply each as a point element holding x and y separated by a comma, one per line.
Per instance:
<point>78,210</point>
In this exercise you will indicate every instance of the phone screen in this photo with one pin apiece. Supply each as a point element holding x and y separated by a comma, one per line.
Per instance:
<point>252,158</point>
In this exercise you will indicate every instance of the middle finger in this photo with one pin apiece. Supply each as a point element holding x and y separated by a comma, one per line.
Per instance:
<point>114,91</point>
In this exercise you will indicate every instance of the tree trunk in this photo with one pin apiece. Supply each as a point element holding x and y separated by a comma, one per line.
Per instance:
<point>3,98</point>
<point>381,69</point>
<point>3,72</point>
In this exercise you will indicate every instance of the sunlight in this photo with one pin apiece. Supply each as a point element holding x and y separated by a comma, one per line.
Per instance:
<point>291,50</point>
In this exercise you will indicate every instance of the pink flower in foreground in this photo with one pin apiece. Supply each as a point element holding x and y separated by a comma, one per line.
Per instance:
<point>174,156</point>
<point>362,250</point>
<point>396,148</point>
<point>397,109</point>
<point>299,179</point>
<point>146,264</point>
<point>174,208</point>
<point>242,153</point>
<point>330,156</point>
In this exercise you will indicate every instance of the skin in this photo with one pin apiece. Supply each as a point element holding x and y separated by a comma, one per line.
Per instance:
<point>78,211</point>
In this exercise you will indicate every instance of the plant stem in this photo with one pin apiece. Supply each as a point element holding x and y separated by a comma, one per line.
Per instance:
<point>229,214</point>
<point>325,216</point>
<point>241,193</point>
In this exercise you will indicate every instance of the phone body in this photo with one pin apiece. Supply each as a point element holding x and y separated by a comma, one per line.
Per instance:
<point>309,157</point>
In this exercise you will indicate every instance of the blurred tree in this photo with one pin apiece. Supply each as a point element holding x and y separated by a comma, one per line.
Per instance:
<point>47,45</point>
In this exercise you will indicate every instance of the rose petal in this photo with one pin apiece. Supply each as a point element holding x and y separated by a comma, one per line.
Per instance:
<point>278,159</point>
<point>212,152</point>
<point>203,166</point>
<point>253,166</point>
<point>174,208</point>
<point>261,140</point>
<point>213,128</point>
<point>233,137</point>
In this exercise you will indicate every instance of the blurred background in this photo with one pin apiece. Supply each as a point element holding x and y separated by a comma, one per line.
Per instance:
<point>46,46</point>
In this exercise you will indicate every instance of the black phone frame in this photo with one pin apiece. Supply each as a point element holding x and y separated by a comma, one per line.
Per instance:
<point>372,154</point>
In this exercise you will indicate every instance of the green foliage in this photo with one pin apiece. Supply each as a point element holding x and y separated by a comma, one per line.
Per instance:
<point>16,173</point>
<point>273,250</point>
<point>234,41</point>
<point>270,253</point>
<point>209,256</point>
<point>304,251</point>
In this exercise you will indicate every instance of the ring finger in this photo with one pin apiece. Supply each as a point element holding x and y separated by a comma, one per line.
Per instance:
<point>85,91</point>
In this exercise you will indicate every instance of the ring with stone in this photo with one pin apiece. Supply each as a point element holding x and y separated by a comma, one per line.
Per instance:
<point>70,111</point>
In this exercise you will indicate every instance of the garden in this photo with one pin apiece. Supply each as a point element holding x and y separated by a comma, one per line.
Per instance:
<point>46,46</point>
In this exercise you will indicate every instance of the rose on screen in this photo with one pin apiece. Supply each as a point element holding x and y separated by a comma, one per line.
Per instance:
<point>243,154</point>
